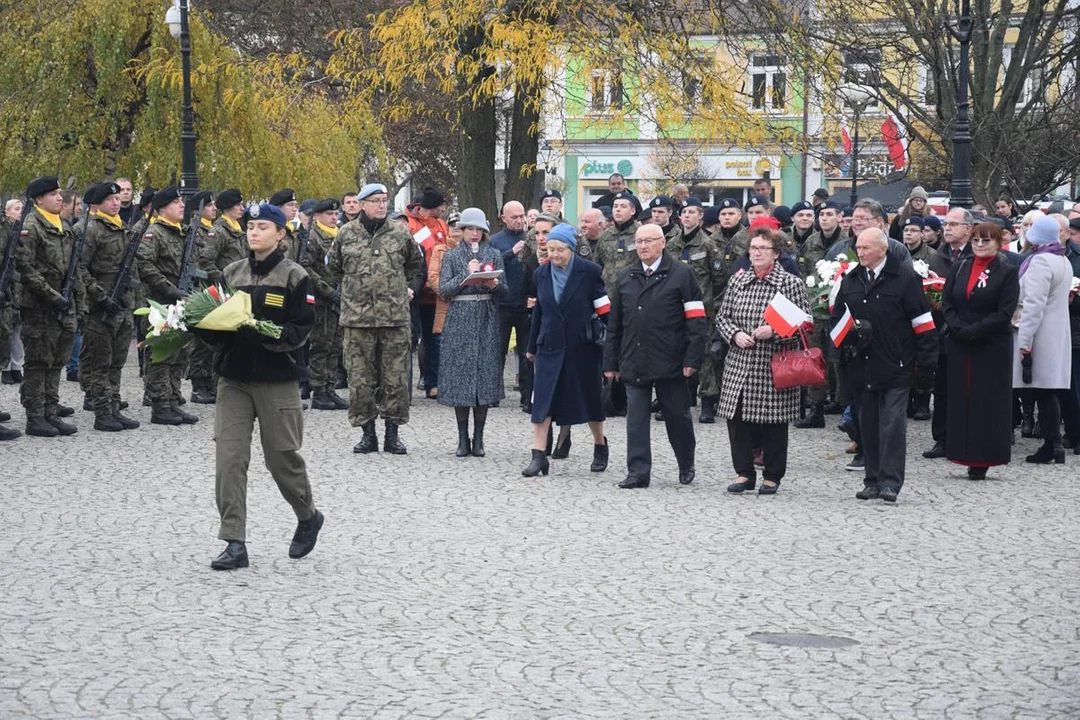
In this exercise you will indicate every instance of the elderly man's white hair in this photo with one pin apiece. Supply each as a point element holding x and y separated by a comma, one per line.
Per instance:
<point>875,235</point>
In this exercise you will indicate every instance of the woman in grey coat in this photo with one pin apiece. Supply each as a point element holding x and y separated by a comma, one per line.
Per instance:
<point>470,364</point>
<point>1043,339</point>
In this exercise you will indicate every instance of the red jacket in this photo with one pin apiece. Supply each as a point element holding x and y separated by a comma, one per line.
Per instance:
<point>428,232</point>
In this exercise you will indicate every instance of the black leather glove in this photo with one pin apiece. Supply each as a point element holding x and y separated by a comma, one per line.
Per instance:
<point>248,333</point>
<point>110,306</point>
<point>61,304</point>
<point>963,335</point>
<point>864,334</point>
<point>175,295</point>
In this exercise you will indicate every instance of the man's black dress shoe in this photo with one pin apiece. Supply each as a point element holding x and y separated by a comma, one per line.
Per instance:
<point>232,557</point>
<point>307,532</point>
<point>938,451</point>
<point>686,476</point>
<point>869,492</point>
<point>887,494</point>
<point>632,483</point>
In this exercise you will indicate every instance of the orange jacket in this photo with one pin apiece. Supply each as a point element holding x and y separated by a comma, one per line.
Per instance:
<point>428,232</point>
<point>433,272</point>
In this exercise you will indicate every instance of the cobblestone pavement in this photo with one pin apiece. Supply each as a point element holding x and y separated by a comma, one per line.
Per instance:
<point>456,588</point>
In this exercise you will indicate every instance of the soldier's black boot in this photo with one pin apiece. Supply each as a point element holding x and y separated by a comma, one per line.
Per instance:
<point>599,457</point>
<point>40,427</point>
<point>322,401</point>
<point>64,411</point>
<point>538,466</point>
<point>234,556</point>
<point>307,532</point>
<point>369,443</point>
<point>128,423</point>
<point>185,417</point>
<point>816,418</point>
<point>105,422</point>
<point>164,414</point>
<point>61,427</point>
<point>7,433</point>
<point>708,409</point>
<point>921,411</point>
<point>88,404</point>
<point>340,403</point>
<point>478,440</point>
<point>203,396</point>
<point>7,378</point>
<point>4,416</point>
<point>463,447</point>
<point>391,443</point>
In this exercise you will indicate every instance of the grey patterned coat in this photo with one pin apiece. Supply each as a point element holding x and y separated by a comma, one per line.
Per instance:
<point>747,373</point>
<point>470,359</point>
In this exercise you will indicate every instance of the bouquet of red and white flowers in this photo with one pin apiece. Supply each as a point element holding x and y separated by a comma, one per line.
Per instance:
<point>212,308</point>
<point>933,284</point>
<point>824,284</point>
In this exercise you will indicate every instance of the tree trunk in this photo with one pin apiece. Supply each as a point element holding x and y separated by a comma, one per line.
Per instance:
<point>477,130</point>
<point>524,146</point>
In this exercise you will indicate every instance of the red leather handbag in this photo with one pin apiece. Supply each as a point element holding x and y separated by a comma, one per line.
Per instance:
<point>798,368</point>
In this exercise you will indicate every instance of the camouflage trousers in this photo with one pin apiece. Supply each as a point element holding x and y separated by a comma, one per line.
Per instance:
<point>709,376</point>
<point>378,363</point>
<point>5,335</point>
<point>326,343</point>
<point>162,379</point>
<point>200,369</point>
<point>104,352</point>
<point>48,344</point>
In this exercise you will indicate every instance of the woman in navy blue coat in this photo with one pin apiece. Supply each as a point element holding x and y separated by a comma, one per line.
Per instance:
<point>567,379</point>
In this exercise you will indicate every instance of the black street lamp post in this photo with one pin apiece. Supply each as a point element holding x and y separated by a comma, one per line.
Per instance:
<point>177,20</point>
<point>857,98</point>
<point>960,193</point>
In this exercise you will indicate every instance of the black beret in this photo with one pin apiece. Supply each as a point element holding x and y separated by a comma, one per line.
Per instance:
<point>605,210</point>
<point>712,215</point>
<point>783,214</point>
<point>281,197</point>
<point>629,197</point>
<point>832,205</point>
<point>431,199</point>
<point>800,206</point>
<point>205,197</point>
<point>661,201</point>
<point>821,193</point>
<point>229,198</point>
<point>849,211</point>
<point>691,202</point>
<point>307,205</point>
<point>552,193</point>
<point>164,196</point>
<point>645,215</point>
<point>326,206</point>
<point>728,204</point>
<point>42,186</point>
<point>97,194</point>
<point>756,201</point>
<point>146,197</point>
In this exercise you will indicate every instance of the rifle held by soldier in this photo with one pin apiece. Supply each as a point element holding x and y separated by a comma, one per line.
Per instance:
<point>7,269</point>
<point>67,288</point>
<point>189,269</point>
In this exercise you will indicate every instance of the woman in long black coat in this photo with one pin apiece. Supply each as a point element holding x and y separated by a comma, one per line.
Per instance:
<point>567,377</point>
<point>980,297</point>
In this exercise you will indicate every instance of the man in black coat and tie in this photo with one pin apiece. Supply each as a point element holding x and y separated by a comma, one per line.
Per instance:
<point>656,340</point>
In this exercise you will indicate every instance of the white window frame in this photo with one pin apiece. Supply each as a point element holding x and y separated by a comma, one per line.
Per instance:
<point>769,73</point>
<point>863,72</point>
<point>609,101</point>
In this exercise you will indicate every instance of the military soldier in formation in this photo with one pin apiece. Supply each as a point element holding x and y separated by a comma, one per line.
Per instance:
<point>286,200</point>
<point>693,246</point>
<point>809,248</point>
<point>107,326</point>
<point>48,315</point>
<point>160,255</point>
<point>662,213</point>
<point>326,336</point>
<point>200,370</point>
<point>380,268</point>
<point>228,244</point>
<point>8,307</point>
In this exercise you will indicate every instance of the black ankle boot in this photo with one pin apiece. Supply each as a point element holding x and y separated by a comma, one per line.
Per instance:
<point>599,457</point>
<point>562,449</point>
<point>369,443</point>
<point>391,442</point>
<point>463,448</point>
<point>1027,425</point>
<point>538,466</point>
<point>478,441</point>
<point>1048,452</point>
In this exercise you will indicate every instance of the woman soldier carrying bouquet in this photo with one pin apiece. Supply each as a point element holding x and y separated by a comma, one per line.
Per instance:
<point>258,380</point>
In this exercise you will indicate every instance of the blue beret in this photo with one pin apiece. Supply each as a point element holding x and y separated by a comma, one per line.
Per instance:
<point>914,220</point>
<point>268,212</point>
<point>564,233</point>
<point>932,221</point>
<point>552,193</point>
<point>605,210</point>
<point>661,201</point>
<point>372,189</point>
<point>712,215</point>
<point>832,205</point>
<point>800,206</point>
<point>629,197</point>
<point>848,211</point>
<point>307,206</point>
<point>756,201</point>
<point>729,204</point>
<point>691,202</point>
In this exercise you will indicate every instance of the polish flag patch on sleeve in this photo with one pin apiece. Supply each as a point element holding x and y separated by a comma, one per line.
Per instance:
<point>601,305</point>
<point>693,309</point>
<point>311,299</point>
<point>922,323</point>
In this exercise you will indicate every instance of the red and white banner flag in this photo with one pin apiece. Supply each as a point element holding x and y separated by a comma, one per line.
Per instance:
<point>845,135</point>
<point>842,328</point>
<point>892,131</point>
<point>784,316</point>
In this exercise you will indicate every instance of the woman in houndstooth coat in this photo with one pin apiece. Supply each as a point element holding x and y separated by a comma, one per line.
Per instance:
<point>758,414</point>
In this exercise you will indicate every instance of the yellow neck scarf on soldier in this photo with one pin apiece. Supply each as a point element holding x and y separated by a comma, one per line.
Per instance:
<point>330,232</point>
<point>231,224</point>
<point>171,224</point>
<point>112,219</point>
<point>206,223</point>
<point>50,218</point>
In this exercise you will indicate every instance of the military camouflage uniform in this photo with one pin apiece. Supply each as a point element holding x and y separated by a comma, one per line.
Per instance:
<point>615,251</point>
<point>160,254</point>
<point>106,339</point>
<point>223,248</point>
<point>699,252</point>
<point>326,336</point>
<point>9,303</point>
<point>42,260</point>
<point>200,369</point>
<point>374,272</point>
<point>291,243</point>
